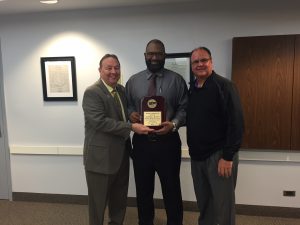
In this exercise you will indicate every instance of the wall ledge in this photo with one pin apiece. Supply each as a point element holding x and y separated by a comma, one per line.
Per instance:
<point>46,150</point>
<point>59,150</point>
<point>245,154</point>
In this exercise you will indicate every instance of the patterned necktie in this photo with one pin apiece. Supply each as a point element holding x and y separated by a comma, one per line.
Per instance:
<point>152,85</point>
<point>118,103</point>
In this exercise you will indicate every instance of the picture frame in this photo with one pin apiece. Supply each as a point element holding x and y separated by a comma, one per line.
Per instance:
<point>180,63</point>
<point>59,78</point>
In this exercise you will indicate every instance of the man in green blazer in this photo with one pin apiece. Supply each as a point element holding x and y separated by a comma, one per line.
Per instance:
<point>107,144</point>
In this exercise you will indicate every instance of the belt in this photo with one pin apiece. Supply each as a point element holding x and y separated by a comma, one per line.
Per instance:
<point>153,137</point>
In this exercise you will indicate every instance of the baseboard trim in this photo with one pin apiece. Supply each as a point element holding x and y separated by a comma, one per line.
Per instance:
<point>269,211</point>
<point>252,210</point>
<point>50,198</point>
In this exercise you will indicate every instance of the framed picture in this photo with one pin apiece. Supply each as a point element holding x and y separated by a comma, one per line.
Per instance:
<point>180,63</point>
<point>59,78</point>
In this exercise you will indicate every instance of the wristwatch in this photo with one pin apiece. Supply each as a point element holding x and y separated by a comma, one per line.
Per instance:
<point>174,127</point>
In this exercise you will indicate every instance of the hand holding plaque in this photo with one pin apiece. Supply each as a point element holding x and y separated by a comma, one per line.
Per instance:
<point>153,111</point>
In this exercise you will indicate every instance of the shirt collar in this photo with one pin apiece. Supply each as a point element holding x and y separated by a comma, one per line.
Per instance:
<point>109,88</point>
<point>205,82</point>
<point>159,73</point>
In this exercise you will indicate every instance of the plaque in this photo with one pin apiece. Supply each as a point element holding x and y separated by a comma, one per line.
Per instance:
<point>153,111</point>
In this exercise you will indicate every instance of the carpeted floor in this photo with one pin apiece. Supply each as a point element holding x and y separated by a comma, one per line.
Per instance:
<point>34,213</point>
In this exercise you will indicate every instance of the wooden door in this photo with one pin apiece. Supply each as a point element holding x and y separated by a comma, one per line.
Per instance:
<point>296,98</point>
<point>262,68</point>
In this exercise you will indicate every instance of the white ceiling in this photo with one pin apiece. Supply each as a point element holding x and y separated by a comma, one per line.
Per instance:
<point>30,6</point>
<point>9,7</point>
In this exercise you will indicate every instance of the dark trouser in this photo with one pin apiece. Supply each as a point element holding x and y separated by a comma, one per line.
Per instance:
<point>164,157</point>
<point>111,190</point>
<point>215,195</point>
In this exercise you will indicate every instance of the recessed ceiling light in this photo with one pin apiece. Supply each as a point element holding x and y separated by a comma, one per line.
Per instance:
<point>49,1</point>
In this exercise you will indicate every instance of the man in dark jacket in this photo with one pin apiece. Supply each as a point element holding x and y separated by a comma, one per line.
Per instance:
<point>214,135</point>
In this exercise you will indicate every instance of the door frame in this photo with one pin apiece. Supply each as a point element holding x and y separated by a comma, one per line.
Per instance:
<point>4,132</point>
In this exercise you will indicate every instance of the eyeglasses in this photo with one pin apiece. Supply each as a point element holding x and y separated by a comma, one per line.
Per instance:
<point>204,61</point>
<point>157,54</point>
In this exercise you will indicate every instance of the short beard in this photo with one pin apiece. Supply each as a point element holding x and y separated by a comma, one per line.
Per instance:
<point>155,67</point>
